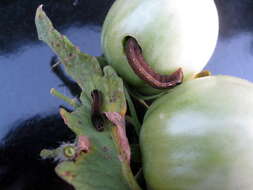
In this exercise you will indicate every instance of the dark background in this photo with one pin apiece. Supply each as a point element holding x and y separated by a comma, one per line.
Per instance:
<point>25,72</point>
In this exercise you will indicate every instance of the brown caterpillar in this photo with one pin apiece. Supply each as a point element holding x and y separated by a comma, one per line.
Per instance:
<point>136,60</point>
<point>97,117</point>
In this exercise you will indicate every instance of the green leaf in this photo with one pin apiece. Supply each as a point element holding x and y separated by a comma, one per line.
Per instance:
<point>96,160</point>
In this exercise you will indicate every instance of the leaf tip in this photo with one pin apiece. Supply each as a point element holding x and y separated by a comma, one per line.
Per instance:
<point>52,91</point>
<point>40,6</point>
<point>64,114</point>
<point>39,11</point>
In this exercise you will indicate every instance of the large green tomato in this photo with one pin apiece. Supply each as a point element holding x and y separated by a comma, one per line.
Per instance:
<point>172,34</point>
<point>199,137</point>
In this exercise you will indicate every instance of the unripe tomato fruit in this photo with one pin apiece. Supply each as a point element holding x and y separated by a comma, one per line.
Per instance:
<point>173,34</point>
<point>199,136</point>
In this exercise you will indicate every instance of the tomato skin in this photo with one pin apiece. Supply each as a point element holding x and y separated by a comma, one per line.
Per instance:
<point>197,137</point>
<point>172,33</point>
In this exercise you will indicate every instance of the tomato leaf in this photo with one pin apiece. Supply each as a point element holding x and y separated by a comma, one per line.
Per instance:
<point>96,160</point>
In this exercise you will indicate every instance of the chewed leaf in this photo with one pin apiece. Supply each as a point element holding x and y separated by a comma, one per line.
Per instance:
<point>97,160</point>
<point>84,69</point>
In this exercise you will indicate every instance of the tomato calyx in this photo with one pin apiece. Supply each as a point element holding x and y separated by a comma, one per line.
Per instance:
<point>137,62</point>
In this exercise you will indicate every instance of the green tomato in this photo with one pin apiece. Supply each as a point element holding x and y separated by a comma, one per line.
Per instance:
<point>199,136</point>
<point>173,34</point>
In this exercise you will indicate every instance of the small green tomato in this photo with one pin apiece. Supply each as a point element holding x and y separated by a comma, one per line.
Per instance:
<point>199,136</point>
<point>172,34</point>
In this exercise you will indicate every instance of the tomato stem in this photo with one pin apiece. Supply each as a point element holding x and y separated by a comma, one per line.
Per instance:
<point>135,121</point>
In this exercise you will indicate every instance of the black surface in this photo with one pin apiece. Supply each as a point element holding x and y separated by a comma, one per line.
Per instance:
<point>25,70</point>
<point>26,76</point>
<point>29,120</point>
<point>21,167</point>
